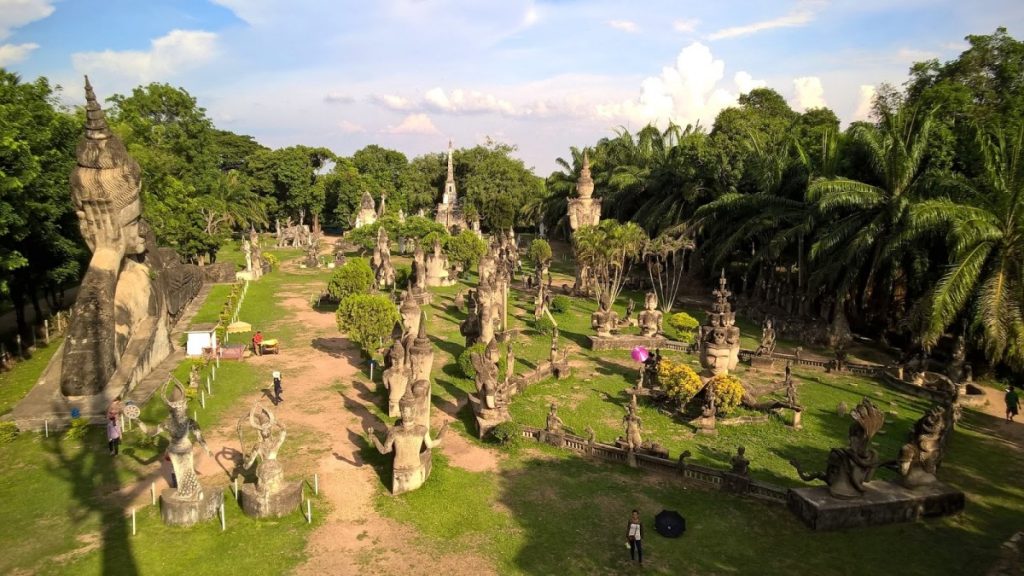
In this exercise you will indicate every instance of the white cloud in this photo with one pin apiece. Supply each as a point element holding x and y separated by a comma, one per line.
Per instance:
<point>531,16</point>
<point>349,127</point>
<point>864,102</point>
<point>393,102</point>
<point>463,101</point>
<point>17,13</point>
<point>175,52</point>
<point>624,25</point>
<point>415,124</point>
<point>685,93</point>
<point>809,93</point>
<point>685,25</point>
<point>339,98</point>
<point>14,53</point>
<point>745,82</point>
<point>795,18</point>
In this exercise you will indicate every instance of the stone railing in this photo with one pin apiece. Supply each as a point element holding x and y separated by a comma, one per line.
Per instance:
<point>627,342</point>
<point>694,473</point>
<point>861,369</point>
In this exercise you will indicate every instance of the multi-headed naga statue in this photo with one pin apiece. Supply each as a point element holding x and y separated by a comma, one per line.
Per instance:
<point>849,469</point>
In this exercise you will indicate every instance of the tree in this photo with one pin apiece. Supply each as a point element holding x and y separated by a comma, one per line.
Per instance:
<point>367,319</point>
<point>355,276</point>
<point>384,172</point>
<point>466,248</point>
<point>665,256</point>
<point>496,185</point>
<point>289,176</point>
<point>986,233</point>
<point>609,249</point>
<point>540,252</point>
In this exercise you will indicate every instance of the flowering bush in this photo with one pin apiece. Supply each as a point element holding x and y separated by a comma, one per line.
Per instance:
<point>728,392</point>
<point>679,381</point>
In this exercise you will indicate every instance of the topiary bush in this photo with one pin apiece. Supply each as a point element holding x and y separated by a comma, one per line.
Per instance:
<point>682,326</point>
<point>540,252</point>
<point>353,277</point>
<point>680,381</point>
<point>466,248</point>
<point>8,432</point>
<point>367,319</point>
<point>561,303</point>
<point>79,426</point>
<point>507,434</point>
<point>728,392</point>
<point>543,325</point>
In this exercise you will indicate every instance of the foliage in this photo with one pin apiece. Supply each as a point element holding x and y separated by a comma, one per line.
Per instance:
<point>355,276</point>
<point>543,325</point>
<point>728,392</point>
<point>8,432</point>
<point>665,257</point>
<point>465,248</point>
<point>679,381</point>
<point>507,434</point>
<point>367,319</point>
<point>419,227</point>
<point>287,178</point>
<point>561,303</point>
<point>540,252</point>
<point>495,184</point>
<point>272,260</point>
<point>683,325</point>
<point>79,426</point>
<point>465,359</point>
<point>609,249</point>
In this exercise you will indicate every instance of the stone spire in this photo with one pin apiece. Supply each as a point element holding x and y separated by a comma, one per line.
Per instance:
<point>451,167</point>
<point>585,185</point>
<point>95,122</point>
<point>105,171</point>
<point>450,193</point>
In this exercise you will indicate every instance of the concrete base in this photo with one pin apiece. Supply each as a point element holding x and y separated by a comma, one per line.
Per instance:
<point>270,505</point>
<point>883,503</point>
<point>488,419</point>
<point>626,342</point>
<point>421,298</point>
<point>177,512</point>
<point>762,362</point>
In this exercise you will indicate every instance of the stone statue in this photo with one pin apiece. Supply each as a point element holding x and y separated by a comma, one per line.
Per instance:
<point>792,398</point>
<point>630,308</point>
<point>383,270</point>
<point>849,469</point>
<point>633,423</point>
<point>421,361</point>
<point>411,314</point>
<point>767,346</point>
<point>247,250</point>
<point>193,377</point>
<point>396,373</point>
<point>132,291</point>
<point>554,423</point>
<point>470,327</point>
<point>271,496</point>
<point>604,320</point>
<point>486,377</point>
<point>921,456</point>
<point>436,266</point>
<point>418,282</point>
<point>412,445</point>
<point>492,400</point>
<point>584,210</point>
<point>313,253</point>
<point>367,212</point>
<point>510,362</point>
<point>650,318</point>
<point>188,503</point>
<point>719,351</point>
<point>740,464</point>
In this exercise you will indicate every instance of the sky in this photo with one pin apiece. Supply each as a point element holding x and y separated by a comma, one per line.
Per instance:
<point>541,75</point>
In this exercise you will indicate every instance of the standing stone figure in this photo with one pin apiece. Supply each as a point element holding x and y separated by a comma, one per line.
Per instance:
<point>383,270</point>
<point>740,464</point>
<point>633,424</point>
<point>247,250</point>
<point>271,496</point>
<point>188,503</point>
<point>849,469</point>
<point>921,456</point>
<point>552,433</point>
<point>767,346</point>
<point>412,445</point>
<point>257,254</point>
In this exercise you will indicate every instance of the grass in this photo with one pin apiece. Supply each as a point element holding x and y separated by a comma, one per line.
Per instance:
<point>16,383</point>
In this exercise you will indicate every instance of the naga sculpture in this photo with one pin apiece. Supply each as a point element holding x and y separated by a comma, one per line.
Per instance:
<point>132,291</point>
<point>188,503</point>
<point>849,469</point>
<point>411,443</point>
<point>271,496</point>
<point>920,457</point>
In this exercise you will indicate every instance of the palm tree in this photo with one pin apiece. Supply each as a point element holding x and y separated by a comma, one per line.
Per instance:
<point>869,234</point>
<point>986,277</point>
<point>609,250</point>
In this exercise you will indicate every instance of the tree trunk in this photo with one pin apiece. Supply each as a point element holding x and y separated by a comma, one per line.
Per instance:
<point>18,298</point>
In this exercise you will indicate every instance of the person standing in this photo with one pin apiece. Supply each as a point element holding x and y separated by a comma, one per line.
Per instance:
<point>1012,403</point>
<point>257,343</point>
<point>113,436</point>
<point>634,536</point>
<point>277,388</point>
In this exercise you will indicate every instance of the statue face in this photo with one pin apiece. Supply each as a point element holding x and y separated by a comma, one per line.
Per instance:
<point>133,228</point>
<point>408,414</point>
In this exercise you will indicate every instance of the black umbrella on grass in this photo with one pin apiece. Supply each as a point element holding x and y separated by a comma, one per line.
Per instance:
<point>670,524</point>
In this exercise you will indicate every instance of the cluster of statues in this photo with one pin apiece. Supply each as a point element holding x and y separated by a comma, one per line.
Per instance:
<point>254,262</point>
<point>605,320</point>
<point>383,270</point>
<point>488,304</point>
<point>584,210</point>
<point>367,211</point>
<point>132,291</point>
<point>293,235</point>
<point>410,357</point>
<point>436,267</point>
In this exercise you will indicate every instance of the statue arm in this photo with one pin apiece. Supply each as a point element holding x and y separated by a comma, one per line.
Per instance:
<point>806,476</point>
<point>388,445</point>
<point>199,436</point>
<point>440,436</point>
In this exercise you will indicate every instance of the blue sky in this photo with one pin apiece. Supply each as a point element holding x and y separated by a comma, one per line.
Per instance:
<point>543,75</point>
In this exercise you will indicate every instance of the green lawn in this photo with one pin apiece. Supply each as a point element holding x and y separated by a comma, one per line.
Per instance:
<point>16,383</point>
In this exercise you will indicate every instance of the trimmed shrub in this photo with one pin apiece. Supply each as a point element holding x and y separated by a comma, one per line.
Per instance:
<point>466,248</point>
<point>367,319</point>
<point>8,432</point>
<point>561,303</point>
<point>680,381</point>
<point>353,277</point>
<point>543,325</point>
<point>540,251</point>
<point>728,392</point>
<point>79,426</point>
<point>272,260</point>
<point>681,326</point>
<point>507,434</point>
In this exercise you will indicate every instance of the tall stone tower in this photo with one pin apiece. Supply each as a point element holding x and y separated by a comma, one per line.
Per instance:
<point>448,213</point>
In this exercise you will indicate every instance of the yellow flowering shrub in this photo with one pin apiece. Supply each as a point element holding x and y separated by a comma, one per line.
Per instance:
<point>678,380</point>
<point>728,392</point>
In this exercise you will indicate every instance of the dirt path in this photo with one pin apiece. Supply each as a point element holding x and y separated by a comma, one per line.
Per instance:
<point>996,407</point>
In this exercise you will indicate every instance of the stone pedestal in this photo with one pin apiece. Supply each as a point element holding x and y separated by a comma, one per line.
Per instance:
<point>487,419</point>
<point>422,298</point>
<point>797,420</point>
<point>270,504</point>
<point>735,483</point>
<point>177,512</point>
<point>706,425</point>
<point>882,503</point>
<point>762,362</point>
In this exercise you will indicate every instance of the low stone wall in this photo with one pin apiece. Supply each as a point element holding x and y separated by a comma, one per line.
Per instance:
<point>890,379</point>
<point>627,342</point>
<point>693,473</point>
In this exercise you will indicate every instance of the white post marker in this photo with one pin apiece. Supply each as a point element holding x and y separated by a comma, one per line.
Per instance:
<point>133,521</point>
<point>218,362</point>
<point>152,492</point>
<point>371,370</point>
<point>202,399</point>
<point>309,511</point>
<point>195,416</point>
<point>236,488</point>
<point>222,525</point>
<point>46,331</point>
<point>46,428</point>
<point>316,484</point>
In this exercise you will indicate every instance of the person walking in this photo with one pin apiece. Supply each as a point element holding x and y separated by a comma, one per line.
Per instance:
<point>113,436</point>
<point>1012,403</point>
<point>634,537</point>
<point>277,388</point>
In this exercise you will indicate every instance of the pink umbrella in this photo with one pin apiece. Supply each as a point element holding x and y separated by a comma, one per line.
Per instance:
<point>640,354</point>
